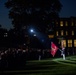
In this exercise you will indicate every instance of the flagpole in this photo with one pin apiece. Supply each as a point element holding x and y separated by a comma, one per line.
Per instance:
<point>59,49</point>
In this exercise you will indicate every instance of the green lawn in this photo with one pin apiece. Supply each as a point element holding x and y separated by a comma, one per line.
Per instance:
<point>55,66</point>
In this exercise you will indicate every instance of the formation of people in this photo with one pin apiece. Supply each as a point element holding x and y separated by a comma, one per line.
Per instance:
<point>16,58</point>
<point>12,58</point>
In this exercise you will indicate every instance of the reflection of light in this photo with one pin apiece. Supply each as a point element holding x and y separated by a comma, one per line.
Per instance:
<point>5,34</point>
<point>32,30</point>
<point>34,34</point>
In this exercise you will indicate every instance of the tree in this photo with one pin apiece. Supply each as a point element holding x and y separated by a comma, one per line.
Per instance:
<point>32,12</point>
<point>3,37</point>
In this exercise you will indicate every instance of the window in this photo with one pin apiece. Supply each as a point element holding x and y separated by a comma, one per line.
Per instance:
<point>66,33</point>
<point>64,43</point>
<point>72,24</point>
<point>56,22</point>
<point>61,23</point>
<point>74,43</point>
<point>62,32</point>
<point>56,33</point>
<point>69,43</point>
<point>50,36</point>
<point>66,23</point>
<point>72,32</point>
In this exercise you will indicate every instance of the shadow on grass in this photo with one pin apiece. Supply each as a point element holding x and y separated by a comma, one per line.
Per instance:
<point>44,67</point>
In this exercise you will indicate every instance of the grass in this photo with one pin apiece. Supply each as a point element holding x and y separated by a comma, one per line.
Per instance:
<point>55,66</point>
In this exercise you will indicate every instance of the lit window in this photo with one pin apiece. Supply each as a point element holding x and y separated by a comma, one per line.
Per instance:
<point>5,34</point>
<point>66,33</point>
<point>61,23</point>
<point>69,43</point>
<point>66,23</point>
<point>72,32</point>
<point>50,36</point>
<point>56,33</point>
<point>72,24</point>
<point>74,43</point>
<point>64,43</point>
<point>61,32</point>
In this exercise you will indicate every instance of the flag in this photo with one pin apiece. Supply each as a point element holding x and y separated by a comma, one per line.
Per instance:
<point>54,49</point>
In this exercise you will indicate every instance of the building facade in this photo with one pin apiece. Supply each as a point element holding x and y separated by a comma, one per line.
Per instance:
<point>65,30</point>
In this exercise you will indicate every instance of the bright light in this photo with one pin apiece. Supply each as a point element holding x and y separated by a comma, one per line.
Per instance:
<point>32,30</point>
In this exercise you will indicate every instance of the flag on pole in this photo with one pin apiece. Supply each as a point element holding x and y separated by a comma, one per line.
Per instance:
<point>54,49</point>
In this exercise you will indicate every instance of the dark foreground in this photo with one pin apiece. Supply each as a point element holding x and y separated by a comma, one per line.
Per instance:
<point>55,66</point>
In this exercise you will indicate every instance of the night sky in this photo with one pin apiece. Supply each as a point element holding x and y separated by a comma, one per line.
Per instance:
<point>68,9</point>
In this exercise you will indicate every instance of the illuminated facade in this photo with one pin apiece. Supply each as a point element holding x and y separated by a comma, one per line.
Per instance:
<point>65,29</point>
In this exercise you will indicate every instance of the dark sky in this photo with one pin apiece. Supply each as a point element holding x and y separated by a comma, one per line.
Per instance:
<point>68,9</point>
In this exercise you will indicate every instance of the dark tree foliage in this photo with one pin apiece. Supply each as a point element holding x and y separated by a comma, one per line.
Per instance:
<point>32,12</point>
<point>3,37</point>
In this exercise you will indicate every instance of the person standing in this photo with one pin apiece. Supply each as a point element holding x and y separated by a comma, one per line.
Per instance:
<point>63,50</point>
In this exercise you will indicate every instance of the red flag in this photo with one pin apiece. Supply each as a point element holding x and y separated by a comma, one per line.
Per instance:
<point>54,49</point>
